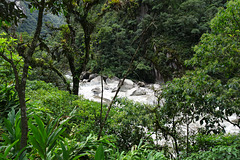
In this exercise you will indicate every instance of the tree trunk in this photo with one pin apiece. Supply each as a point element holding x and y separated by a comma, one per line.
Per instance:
<point>87,50</point>
<point>24,125</point>
<point>75,84</point>
<point>176,144</point>
<point>21,87</point>
<point>75,73</point>
<point>21,80</point>
<point>174,136</point>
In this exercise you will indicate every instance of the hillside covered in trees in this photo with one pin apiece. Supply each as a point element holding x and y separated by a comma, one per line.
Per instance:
<point>191,48</point>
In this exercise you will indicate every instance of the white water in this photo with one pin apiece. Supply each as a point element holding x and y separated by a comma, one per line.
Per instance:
<point>86,90</point>
<point>87,87</point>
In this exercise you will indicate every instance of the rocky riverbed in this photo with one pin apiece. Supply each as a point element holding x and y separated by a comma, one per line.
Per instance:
<point>139,92</point>
<point>90,88</point>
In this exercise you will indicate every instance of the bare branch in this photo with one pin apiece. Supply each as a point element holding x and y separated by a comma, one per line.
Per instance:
<point>130,69</point>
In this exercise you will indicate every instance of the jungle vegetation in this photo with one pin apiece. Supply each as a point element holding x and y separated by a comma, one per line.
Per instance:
<point>191,47</point>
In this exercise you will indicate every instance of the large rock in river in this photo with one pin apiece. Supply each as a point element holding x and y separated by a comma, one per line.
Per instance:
<point>127,85</point>
<point>141,84</point>
<point>92,76</point>
<point>112,80</point>
<point>139,92</point>
<point>96,90</point>
<point>96,80</point>
<point>84,75</point>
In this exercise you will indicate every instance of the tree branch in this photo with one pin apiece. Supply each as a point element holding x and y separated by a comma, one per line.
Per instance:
<point>40,63</point>
<point>14,69</point>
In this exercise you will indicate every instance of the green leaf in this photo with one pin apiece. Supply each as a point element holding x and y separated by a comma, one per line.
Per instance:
<point>8,125</point>
<point>21,154</point>
<point>53,137</point>
<point>37,136</point>
<point>64,151</point>
<point>100,153</point>
<point>41,126</point>
<point>81,155</point>
<point>32,9</point>
<point>37,146</point>
<point>9,148</point>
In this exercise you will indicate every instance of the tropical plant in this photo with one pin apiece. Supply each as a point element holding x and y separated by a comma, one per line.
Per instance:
<point>11,136</point>
<point>69,150</point>
<point>44,138</point>
<point>216,147</point>
<point>8,100</point>
<point>131,122</point>
<point>138,152</point>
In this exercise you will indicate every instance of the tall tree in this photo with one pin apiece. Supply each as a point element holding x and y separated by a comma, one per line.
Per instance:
<point>26,51</point>
<point>81,17</point>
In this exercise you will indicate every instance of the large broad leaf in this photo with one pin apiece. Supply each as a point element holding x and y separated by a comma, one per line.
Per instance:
<point>100,153</point>
<point>53,137</point>
<point>66,153</point>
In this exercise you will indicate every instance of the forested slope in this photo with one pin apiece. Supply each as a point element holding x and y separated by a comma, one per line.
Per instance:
<point>191,46</point>
<point>29,24</point>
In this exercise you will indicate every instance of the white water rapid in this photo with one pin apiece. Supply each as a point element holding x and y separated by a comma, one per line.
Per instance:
<point>92,90</point>
<point>137,92</point>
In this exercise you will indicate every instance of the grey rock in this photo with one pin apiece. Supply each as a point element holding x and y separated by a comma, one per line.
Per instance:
<point>84,81</point>
<point>114,89</point>
<point>127,85</point>
<point>139,92</point>
<point>141,84</point>
<point>94,78</point>
<point>85,75</point>
<point>237,120</point>
<point>106,88</point>
<point>112,80</point>
<point>96,90</point>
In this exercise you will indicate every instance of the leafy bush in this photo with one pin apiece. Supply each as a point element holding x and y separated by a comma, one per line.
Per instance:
<point>218,153</point>
<point>87,117</point>
<point>48,140</point>
<point>205,142</point>
<point>139,152</point>
<point>11,136</point>
<point>216,147</point>
<point>130,122</point>
<point>44,99</point>
<point>44,138</point>
<point>8,100</point>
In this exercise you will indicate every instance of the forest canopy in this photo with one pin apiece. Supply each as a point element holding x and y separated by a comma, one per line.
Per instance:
<point>189,47</point>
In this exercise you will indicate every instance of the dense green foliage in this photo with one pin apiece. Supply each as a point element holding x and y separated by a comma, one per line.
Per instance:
<point>80,119</point>
<point>70,128</point>
<point>172,28</point>
<point>211,90</point>
<point>29,24</point>
<point>166,31</point>
<point>107,37</point>
<point>209,93</point>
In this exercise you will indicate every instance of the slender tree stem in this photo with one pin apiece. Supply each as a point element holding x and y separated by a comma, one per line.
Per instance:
<point>130,69</point>
<point>101,102</point>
